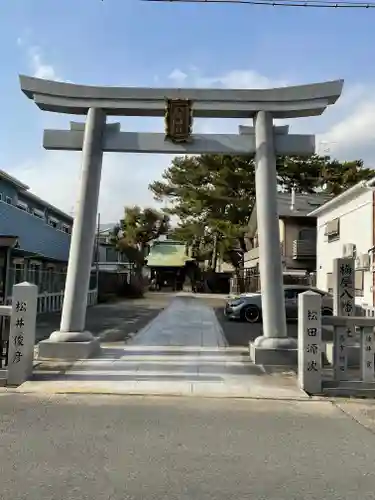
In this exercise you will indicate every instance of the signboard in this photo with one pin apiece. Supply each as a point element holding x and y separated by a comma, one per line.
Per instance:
<point>178,120</point>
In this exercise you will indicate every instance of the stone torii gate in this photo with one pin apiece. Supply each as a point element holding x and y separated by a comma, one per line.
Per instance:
<point>177,106</point>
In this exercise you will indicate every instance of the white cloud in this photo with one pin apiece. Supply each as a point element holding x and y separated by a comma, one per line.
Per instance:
<point>235,79</point>
<point>40,69</point>
<point>240,79</point>
<point>353,134</point>
<point>178,77</point>
<point>54,176</point>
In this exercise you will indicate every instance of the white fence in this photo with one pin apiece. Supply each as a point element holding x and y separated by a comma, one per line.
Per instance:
<point>53,302</point>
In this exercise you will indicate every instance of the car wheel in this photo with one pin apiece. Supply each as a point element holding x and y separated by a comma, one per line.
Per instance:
<point>327,311</point>
<point>251,314</point>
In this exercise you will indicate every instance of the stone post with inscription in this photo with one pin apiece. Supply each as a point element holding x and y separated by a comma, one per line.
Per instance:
<point>367,354</point>
<point>343,305</point>
<point>310,342</point>
<point>22,333</point>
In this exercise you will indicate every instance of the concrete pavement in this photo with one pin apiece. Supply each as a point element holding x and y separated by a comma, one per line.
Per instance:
<point>182,351</point>
<point>102,447</point>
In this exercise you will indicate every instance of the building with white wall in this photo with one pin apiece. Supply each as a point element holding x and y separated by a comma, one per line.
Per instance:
<point>345,228</point>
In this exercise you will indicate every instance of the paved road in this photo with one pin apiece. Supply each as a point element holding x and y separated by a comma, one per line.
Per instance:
<point>239,333</point>
<point>101,448</point>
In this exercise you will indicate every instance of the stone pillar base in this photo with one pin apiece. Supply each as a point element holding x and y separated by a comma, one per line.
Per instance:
<point>68,351</point>
<point>277,351</point>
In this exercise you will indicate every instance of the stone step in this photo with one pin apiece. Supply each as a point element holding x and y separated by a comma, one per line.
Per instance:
<point>3,377</point>
<point>348,388</point>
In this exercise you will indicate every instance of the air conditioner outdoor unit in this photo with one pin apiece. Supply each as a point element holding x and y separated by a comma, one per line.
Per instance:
<point>348,250</point>
<point>363,261</point>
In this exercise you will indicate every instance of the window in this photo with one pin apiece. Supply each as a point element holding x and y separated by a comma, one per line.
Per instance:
<point>111,255</point>
<point>307,233</point>
<point>65,228</point>
<point>8,200</point>
<point>53,222</point>
<point>38,213</point>
<point>329,285</point>
<point>34,272</point>
<point>122,257</point>
<point>22,205</point>
<point>291,294</point>
<point>19,270</point>
<point>332,230</point>
<point>1,196</point>
<point>358,283</point>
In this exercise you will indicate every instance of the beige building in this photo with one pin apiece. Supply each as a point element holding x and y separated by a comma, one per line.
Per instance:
<point>297,233</point>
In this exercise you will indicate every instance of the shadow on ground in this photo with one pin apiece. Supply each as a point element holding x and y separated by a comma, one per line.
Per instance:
<point>110,322</point>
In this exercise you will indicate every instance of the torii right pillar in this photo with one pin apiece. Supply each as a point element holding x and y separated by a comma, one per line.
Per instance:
<point>275,344</point>
<point>274,347</point>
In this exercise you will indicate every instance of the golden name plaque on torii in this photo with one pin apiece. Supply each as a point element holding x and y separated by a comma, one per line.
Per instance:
<point>178,120</point>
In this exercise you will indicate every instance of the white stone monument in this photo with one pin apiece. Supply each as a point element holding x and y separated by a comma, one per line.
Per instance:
<point>22,333</point>
<point>310,342</point>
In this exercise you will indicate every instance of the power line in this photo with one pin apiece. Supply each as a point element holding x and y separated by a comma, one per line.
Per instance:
<point>330,4</point>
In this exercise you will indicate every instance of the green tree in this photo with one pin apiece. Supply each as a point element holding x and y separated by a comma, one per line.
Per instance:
<point>319,173</point>
<point>137,229</point>
<point>213,195</point>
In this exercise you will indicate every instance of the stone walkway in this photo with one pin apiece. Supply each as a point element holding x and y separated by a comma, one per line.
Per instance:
<point>186,322</point>
<point>181,352</point>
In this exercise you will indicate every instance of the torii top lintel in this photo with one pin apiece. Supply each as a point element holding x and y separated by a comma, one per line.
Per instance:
<point>284,102</point>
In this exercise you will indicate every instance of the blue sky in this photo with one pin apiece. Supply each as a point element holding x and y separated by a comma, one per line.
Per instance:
<point>129,42</point>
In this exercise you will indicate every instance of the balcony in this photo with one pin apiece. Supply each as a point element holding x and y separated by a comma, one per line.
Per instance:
<point>251,254</point>
<point>304,249</point>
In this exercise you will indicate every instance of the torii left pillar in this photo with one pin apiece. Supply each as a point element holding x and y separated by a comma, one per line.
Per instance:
<point>72,341</point>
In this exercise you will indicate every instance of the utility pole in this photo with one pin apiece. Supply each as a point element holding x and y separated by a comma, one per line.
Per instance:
<point>97,251</point>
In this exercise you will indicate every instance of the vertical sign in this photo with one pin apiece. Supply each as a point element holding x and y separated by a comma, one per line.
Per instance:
<point>310,342</point>
<point>343,305</point>
<point>178,120</point>
<point>367,354</point>
<point>22,333</point>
